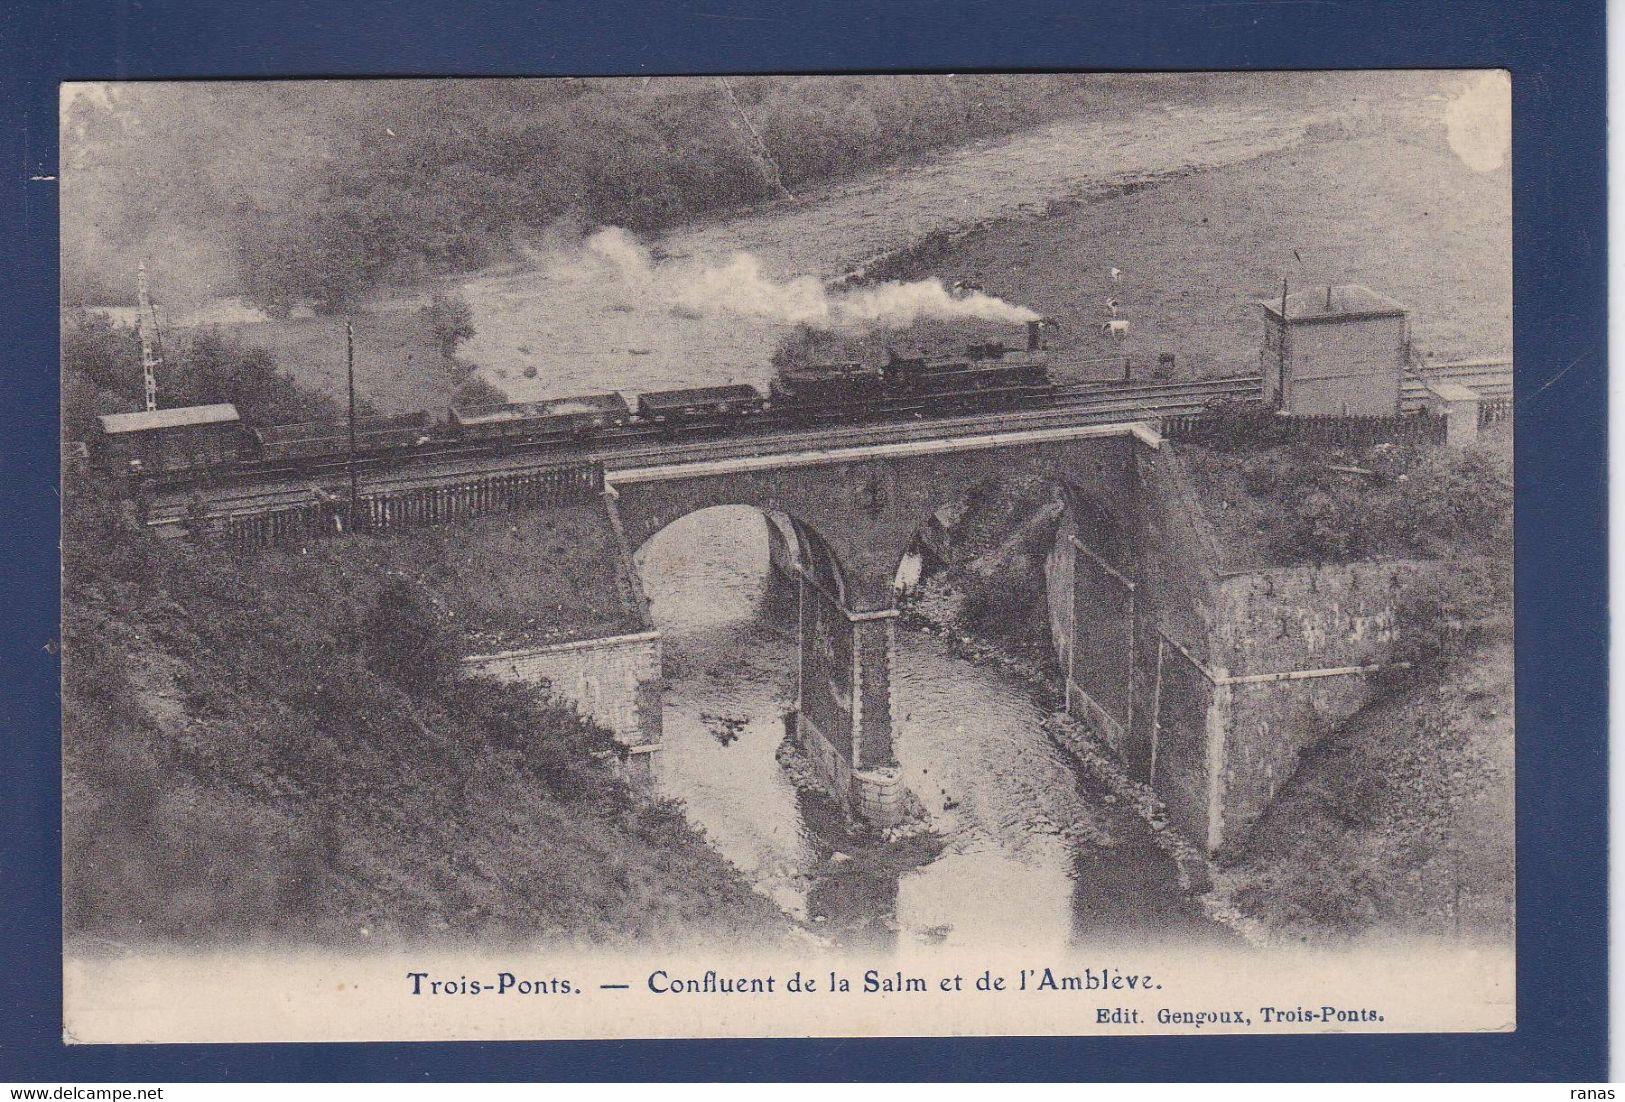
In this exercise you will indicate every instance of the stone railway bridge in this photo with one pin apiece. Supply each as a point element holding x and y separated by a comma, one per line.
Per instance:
<point>1207,683</point>
<point>852,514</point>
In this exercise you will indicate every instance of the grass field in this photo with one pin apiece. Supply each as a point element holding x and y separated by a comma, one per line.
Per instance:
<point>398,364</point>
<point>1389,206</point>
<point>540,576</point>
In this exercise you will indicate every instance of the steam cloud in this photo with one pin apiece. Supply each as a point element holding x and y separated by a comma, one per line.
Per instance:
<point>740,287</point>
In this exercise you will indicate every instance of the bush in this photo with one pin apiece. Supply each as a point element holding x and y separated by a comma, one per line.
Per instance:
<point>403,641</point>
<point>452,319</point>
<point>1318,503</point>
<point>1325,526</point>
<point>476,390</point>
<point>1441,615</point>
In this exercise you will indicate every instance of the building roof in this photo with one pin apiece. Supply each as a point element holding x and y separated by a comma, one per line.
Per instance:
<point>178,417</point>
<point>1345,300</point>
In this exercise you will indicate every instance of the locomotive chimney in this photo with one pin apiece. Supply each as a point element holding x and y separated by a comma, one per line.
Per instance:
<point>1035,335</point>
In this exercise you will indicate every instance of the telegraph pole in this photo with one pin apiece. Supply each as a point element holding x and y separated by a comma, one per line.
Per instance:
<point>349,370</point>
<point>146,323</point>
<point>1280,366</point>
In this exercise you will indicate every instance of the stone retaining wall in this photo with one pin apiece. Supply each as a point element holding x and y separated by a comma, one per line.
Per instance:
<point>615,681</point>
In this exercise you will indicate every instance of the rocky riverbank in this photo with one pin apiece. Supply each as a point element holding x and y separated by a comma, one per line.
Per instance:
<point>933,610</point>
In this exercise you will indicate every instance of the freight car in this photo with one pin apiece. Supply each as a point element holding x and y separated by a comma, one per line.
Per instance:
<point>701,407</point>
<point>324,439</point>
<point>550,419</point>
<point>165,442</point>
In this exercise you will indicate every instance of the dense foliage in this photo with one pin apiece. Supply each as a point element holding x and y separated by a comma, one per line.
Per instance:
<point>101,373</point>
<point>353,185</point>
<point>261,746</point>
<point>1302,503</point>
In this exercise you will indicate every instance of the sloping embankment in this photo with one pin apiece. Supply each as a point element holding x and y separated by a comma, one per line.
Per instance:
<point>271,747</point>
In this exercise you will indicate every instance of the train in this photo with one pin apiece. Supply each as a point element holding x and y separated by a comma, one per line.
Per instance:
<point>190,442</point>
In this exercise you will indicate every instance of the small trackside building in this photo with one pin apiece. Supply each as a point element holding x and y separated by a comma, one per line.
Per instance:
<point>1337,350</point>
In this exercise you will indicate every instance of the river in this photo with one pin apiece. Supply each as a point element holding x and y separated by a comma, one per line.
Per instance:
<point>1034,854</point>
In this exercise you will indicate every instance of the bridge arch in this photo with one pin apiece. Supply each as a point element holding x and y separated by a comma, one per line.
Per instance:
<point>794,543</point>
<point>848,517</point>
<point>1074,559</point>
<point>842,710</point>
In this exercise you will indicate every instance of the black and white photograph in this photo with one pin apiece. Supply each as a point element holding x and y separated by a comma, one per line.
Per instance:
<point>860,555</point>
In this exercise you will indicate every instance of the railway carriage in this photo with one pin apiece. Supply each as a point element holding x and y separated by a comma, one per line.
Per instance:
<point>706,406</point>
<point>159,442</point>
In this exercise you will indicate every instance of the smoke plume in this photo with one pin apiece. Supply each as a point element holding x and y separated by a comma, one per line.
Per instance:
<point>739,286</point>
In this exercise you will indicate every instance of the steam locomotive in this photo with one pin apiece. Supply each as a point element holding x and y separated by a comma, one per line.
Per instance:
<point>175,444</point>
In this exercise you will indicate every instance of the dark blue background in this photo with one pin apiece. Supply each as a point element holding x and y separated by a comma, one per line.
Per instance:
<point>1555,51</point>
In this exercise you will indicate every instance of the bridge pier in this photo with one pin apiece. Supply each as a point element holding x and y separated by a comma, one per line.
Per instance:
<point>844,701</point>
<point>844,514</point>
<point>783,584</point>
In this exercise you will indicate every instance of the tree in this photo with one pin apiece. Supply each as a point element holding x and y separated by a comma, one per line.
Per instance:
<point>478,391</point>
<point>452,319</point>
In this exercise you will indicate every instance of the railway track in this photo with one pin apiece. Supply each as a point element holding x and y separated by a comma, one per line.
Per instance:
<point>1492,378</point>
<point>900,420</point>
<point>267,488</point>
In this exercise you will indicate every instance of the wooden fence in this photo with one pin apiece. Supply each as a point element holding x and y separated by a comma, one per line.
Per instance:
<point>1494,410</point>
<point>413,508</point>
<point>1261,426</point>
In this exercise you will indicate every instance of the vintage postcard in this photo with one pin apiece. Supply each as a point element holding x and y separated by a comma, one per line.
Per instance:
<point>787,556</point>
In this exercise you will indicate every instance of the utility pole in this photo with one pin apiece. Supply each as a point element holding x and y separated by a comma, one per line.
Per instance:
<point>1280,366</point>
<point>349,371</point>
<point>146,324</point>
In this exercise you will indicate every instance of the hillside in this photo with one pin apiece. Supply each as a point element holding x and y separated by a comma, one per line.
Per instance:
<point>1400,822</point>
<point>357,184</point>
<point>260,747</point>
